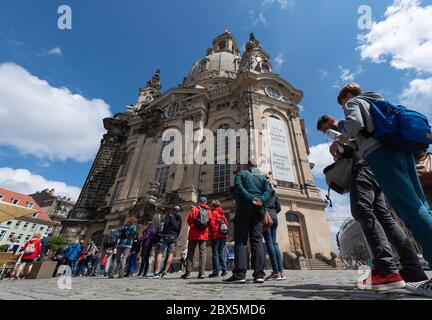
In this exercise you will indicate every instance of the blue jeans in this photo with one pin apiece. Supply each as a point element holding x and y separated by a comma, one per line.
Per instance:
<point>132,263</point>
<point>396,173</point>
<point>219,261</point>
<point>273,248</point>
<point>72,264</point>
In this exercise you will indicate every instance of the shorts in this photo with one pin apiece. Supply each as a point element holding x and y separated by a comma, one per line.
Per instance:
<point>28,260</point>
<point>162,244</point>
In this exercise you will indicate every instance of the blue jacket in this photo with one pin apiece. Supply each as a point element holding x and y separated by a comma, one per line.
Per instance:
<point>73,251</point>
<point>250,186</point>
<point>130,231</point>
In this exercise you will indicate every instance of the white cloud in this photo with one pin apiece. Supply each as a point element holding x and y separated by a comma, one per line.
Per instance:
<point>347,75</point>
<point>257,18</point>
<point>23,181</point>
<point>47,122</point>
<point>321,157</point>
<point>338,213</point>
<point>323,74</point>
<point>404,37</point>
<point>283,4</point>
<point>55,52</point>
<point>418,96</point>
<point>280,60</point>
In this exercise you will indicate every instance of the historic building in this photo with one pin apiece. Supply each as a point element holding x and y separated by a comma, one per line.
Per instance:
<point>57,207</point>
<point>224,90</point>
<point>24,227</point>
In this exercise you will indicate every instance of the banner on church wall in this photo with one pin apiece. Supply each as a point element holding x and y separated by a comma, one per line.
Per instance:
<point>281,163</point>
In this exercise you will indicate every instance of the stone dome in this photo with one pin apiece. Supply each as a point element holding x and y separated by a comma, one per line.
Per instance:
<point>221,62</point>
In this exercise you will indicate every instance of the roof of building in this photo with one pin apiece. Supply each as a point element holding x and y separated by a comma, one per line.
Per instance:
<point>24,200</point>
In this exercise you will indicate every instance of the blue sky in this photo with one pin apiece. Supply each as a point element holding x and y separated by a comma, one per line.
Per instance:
<point>115,46</point>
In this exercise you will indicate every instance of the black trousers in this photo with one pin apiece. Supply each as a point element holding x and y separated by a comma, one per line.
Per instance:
<point>369,208</point>
<point>248,224</point>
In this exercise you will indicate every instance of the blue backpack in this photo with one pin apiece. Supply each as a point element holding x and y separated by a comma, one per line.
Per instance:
<point>398,127</point>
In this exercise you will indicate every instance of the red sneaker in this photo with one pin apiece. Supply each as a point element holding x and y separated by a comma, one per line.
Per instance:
<point>379,282</point>
<point>412,278</point>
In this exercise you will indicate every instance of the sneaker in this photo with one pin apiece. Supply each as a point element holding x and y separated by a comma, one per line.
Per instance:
<point>259,280</point>
<point>157,275</point>
<point>235,279</point>
<point>379,282</point>
<point>201,276</point>
<point>213,275</point>
<point>281,277</point>
<point>164,275</point>
<point>273,276</point>
<point>186,276</point>
<point>224,273</point>
<point>413,278</point>
<point>423,288</point>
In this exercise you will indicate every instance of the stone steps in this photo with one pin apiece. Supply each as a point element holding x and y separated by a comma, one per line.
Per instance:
<point>315,264</point>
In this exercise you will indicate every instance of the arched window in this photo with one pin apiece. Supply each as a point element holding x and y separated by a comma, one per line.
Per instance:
<point>292,218</point>
<point>221,172</point>
<point>127,163</point>
<point>203,66</point>
<point>162,169</point>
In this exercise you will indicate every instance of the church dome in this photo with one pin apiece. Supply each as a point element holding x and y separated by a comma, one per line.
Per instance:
<point>220,63</point>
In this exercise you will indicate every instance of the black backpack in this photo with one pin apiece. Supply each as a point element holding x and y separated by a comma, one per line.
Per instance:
<point>111,241</point>
<point>202,219</point>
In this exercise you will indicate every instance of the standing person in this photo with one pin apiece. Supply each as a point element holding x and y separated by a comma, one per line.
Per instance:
<point>369,209</point>
<point>394,170</point>
<point>89,259</point>
<point>198,220</point>
<point>81,259</point>
<point>109,245</point>
<point>72,253</point>
<point>136,246</point>
<point>44,242</point>
<point>126,234</point>
<point>183,259</point>
<point>146,247</point>
<point>273,208</point>
<point>253,192</point>
<point>32,249</point>
<point>167,240</point>
<point>14,244</point>
<point>219,230</point>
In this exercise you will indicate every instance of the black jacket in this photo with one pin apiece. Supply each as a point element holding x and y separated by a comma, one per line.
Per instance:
<point>172,226</point>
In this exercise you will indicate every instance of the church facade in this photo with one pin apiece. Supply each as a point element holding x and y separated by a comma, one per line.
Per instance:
<point>224,90</point>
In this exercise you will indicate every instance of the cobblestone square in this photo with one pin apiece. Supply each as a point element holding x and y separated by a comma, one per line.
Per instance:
<point>311,285</point>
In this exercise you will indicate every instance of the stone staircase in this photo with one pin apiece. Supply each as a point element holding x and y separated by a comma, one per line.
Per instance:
<point>315,264</point>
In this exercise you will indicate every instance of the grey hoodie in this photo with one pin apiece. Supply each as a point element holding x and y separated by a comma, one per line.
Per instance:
<point>355,111</point>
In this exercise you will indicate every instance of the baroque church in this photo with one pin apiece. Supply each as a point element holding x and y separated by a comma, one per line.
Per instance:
<point>225,89</point>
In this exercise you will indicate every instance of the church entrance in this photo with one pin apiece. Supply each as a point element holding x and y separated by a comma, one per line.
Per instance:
<point>294,232</point>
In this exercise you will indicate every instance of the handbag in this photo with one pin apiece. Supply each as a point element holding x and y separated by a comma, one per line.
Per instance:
<point>424,170</point>
<point>338,175</point>
<point>267,221</point>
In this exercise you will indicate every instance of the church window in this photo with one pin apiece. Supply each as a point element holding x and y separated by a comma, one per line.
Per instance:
<point>203,66</point>
<point>292,218</point>
<point>222,172</point>
<point>173,110</point>
<point>265,66</point>
<point>127,163</point>
<point>222,45</point>
<point>273,92</point>
<point>118,190</point>
<point>161,176</point>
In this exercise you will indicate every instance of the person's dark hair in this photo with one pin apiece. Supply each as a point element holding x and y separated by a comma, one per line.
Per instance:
<point>324,119</point>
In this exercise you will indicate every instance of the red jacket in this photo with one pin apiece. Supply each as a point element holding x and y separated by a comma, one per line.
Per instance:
<point>215,222</point>
<point>194,232</point>
<point>38,249</point>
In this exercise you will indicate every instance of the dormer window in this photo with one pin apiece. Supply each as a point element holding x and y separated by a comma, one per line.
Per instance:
<point>265,66</point>
<point>223,45</point>
<point>14,201</point>
<point>30,205</point>
<point>203,66</point>
<point>34,215</point>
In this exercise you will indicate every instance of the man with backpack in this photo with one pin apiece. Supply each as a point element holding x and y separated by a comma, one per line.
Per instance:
<point>167,240</point>
<point>369,209</point>
<point>253,192</point>
<point>395,170</point>
<point>125,233</point>
<point>109,245</point>
<point>198,221</point>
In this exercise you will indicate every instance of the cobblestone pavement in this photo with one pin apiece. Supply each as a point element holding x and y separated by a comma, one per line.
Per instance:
<point>315,285</point>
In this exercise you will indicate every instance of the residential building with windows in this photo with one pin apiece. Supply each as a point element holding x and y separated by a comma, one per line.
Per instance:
<point>225,90</point>
<point>24,227</point>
